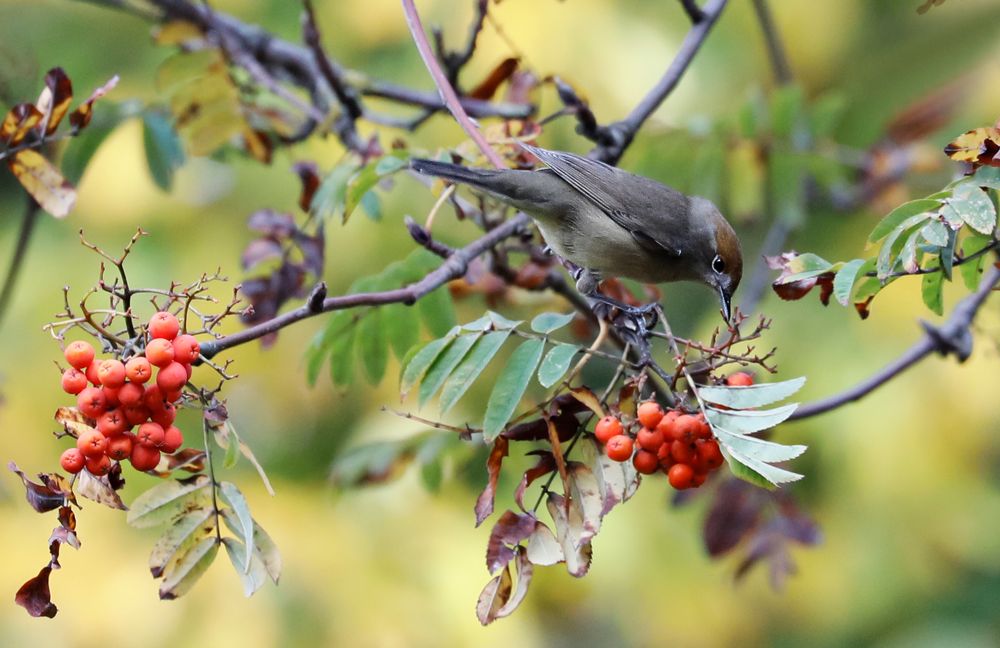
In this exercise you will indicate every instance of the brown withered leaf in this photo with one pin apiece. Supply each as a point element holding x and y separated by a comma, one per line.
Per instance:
<point>488,86</point>
<point>52,493</point>
<point>509,531</point>
<point>43,181</point>
<point>26,117</point>
<point>258,144</point>
<point>736,509</point>
<point>864,307</point>
<point>54,101</point>
<point>977,147</point>
<point>35,597</point>
<point>99,489</point>
<point>83,113</point>
<point>586,396</point>
<point>546,464</point>
<point>73,421</point>
<point>308,174</point>
<point>494,596</point>
<point>191,460</point>
<point>484,503</point>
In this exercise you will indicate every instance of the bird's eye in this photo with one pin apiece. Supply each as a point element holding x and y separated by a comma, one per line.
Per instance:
<point>718,264</point>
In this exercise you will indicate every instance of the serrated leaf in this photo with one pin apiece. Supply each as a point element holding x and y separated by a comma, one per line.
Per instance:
<point>232,496</point>
<point>556,363</point>
<point>437,311</point>
<point>254,577</point>
<point>167,500</point>
<point>372,345</point>
<point>421,361</point>
<point>510,387</point>
<point>758,449</point>
<point>193,565</point>
<point>935,233</point>
<point>444,365</point>
<point>931,289</point>
<point>264,548</point>
<point>164,152</point>
<point>975,207</point>
<point>473,364</point>
<point>900,214</point>
<point>99,490</point>
<point>401,328</point>
<point>843,282</point>
<point>752,396</point>
<point>749,421</point>
<point>501,323</point>
<point>548,322</point>
<point>186,531</point>
<point>755,471</point>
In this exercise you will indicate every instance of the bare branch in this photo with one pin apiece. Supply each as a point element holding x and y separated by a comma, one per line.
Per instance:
<point>693,11</point>
<point>31,210</point>
<point>775,48</point>
<point>952,337</point>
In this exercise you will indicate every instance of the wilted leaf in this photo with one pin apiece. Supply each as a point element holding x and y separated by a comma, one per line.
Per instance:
<point>494,596</point>
<point>35,597</point>
<point>232,496</point>
<point>546,464</point>
<point>83,113</point>
<point>568,523</point>
<point>509,531</point>
<point>484,503</point>
<point>309,177</point>
<point>542,547</point>
<point>73,421</point>
<point>54,101</point>
<point>616,480</point>
<point>979,146</point>
<point>48,496</point>
<point>510,387</point>
<point>185,531</point>
<point>525,570</point>
<point>488,86</point>
<point>167,500</point>
<point>43,181</point>
<point>179,578</point>
<point>735,511</point>
<point>21,119</point>
<point>100,490</point>
<point>588,398</point>
<point>254,577</point>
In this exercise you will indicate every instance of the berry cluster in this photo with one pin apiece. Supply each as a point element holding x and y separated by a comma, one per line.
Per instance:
<point>116,397</point>
<point>681,445</point>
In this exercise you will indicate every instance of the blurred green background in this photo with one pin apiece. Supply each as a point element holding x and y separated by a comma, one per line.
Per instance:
<point>904,484</point>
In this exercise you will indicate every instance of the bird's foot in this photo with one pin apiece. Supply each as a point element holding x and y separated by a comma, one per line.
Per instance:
<point>644,317</point>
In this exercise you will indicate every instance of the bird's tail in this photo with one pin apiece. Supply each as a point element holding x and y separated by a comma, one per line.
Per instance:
<point>480,178</point>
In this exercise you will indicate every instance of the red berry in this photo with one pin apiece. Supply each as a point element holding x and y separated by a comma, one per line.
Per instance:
<point>137,369</point>
<point>172,440</point>
<point>619,448</point>
<point>650,414</point>
<point>664,456</point>
<point>681,476</point>
<point>72,460</point>
<point>152,398</point>
<point>685,427</point>
<point>112,422</point>
<point>120,447</point>
<point>165,415</point>
<point>130,394</point>
<point>79,354</point>
<point>111,373</point>
<point>739,379</point>
<point>160,352</point>
<point>606,428</point>
<point>682,451</point>
<point>92,376</point>
<point>649,439</point>
<point>136,414</point>
<point>698,479</point>
<point>92,443</point>
<point>666,424</point>
<point>709,453</point>
<point>163,325</point>
<point>171,378</point>
<point>99,466</point>
<point>91,402</point>
<point>186,348</point>
<point>702,430</point>
<point>74,381</point>
<point>645,462</point>
<point>110,397</point>
<point>150,434</point>
<point>144,457</point>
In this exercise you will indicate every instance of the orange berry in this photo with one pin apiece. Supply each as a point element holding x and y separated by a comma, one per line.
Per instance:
<point>79,354</point>
<point>164,415</point>
<point>130,394</point>
<point>150,434</point>
<point>645,462</point>
<point>682,451</point>
<point>606,428</point>
<point>136,414</point>
<point>74,381</point>
<point>92,443</point>
<point>685,427</point>
<point>709,453</point>
<point>137,370</point>
<point>111,373</point>
<point>650,414</point>
<point>186,348</point>
<point>120,447</point>
<point>91,402</point>
<point>163,325</point>
<point>649,439</point>
<point>619,448</point>
<point>144,457</point>
<point>72,460</point>
<point>172,440</point>
<point>92,376</point>
<point>665,458</point>
<point>110,397</point>
<point>666,424</point>
<point>160,352</point>
<point>681,476</point>
<point>99,466</point>
<point>171,378</point>
<point>112,422</point>
<point>739,379</point>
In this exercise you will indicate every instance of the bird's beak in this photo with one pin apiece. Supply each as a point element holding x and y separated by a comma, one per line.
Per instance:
<point>724,299</point>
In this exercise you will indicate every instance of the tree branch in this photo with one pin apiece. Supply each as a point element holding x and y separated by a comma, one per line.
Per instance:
<point>952,337</point>
<point>31,210</point>
<point>775,48</point>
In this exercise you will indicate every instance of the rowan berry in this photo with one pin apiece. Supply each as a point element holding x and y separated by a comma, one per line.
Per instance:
<point>685,427</point>
<point>739,379</point>
<point>681,476</point>
<point>72,460</point>
<point>111,373</point>
<point>92,443</point>
<point>144,457</point>
<point>649,439</point>
<point>112,422</point>
<point>186,348</point>
<point>650,414</point>
<point>607,427</point>
<point>619,448</point>
<point>150,434</point>
<point>120,446</point>
<point>709,453</point>
<point>91,402</point>
<point>136,414</point>
<point>130,394</point>
<point>645,462</point>
<point>163,325</point>
<point>160,352</point>
<point>172,440</point>
<point>138,370</point>
<point>171,378</point>
<point>91,372</point>
<point>74,381</point>
<point>99,466</point>
<point>164,415</point>
<point>682,451</point>
<point>79,354</point>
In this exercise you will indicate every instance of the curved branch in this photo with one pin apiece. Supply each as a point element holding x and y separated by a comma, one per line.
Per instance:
<point>952,337</point>
<point>31,210</point>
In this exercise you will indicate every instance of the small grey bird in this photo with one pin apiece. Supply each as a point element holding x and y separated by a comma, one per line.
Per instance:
<point>614,223</point>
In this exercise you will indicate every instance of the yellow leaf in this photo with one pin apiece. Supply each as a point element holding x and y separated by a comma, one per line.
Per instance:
<point>43,181</point>
<point>53,103</point>
<point>979,146</point>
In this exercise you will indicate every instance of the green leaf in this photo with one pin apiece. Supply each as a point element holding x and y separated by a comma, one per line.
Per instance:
<point>510,387</point>
<point>185,532</point>
<point>329,198</point>
<point>931,288</point>
<point>548,322</point>
<point>752,396</point>
<point>893,243</point>
<point>264,548</point>
<point>166,500</point>
<point>341,358</point>
<point>164,151</point>
<point>444,365</point>
<point>372,206</point>
<point>362,183</point>
<point>975,207</point>
<point>843,282</point>
<point>471,366</point>
<point>750,447</point>
<point>232,496</point>
<point>315,354</point>
<point>971,270</point>
<point>908,253</point>
<point>501,323</point>
<point>786,109</point>
<point>421,362</point>
<point>556,363</point>
<point>437,311</point>
<point>987,176</point>
<point>825,114</point>
<point>401,327</point>
<point>899,215</point>
<point>946,254</point>
<point>372,345</point>
<point>749,421</point>
<point>254,577</point>
<point>935,233</point>
<point>805,266</point>
<point>179,580</point>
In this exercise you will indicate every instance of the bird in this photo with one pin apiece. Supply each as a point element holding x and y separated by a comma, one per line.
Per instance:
<point>609,222</point>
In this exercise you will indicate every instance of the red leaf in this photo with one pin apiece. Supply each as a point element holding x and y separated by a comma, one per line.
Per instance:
<point>546,464</point>
<point>53,493</point>
<point>309,175</point>
<point>735,511</point>
<point>488,86</point>
<point>34,595</point>
<point>484,504</point>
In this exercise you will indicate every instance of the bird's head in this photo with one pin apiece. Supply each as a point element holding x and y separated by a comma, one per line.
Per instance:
<point>722,258</point>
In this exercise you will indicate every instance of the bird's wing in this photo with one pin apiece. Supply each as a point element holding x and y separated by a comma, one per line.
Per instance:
<point>639,197</point>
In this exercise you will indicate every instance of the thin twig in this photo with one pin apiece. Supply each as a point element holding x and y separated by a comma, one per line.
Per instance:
<point>775,48</point>
<point>28,221</point>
